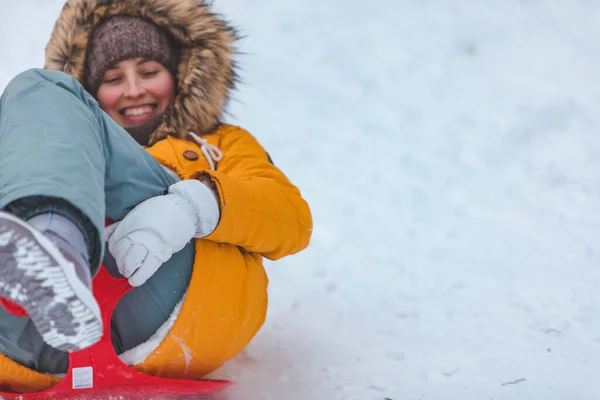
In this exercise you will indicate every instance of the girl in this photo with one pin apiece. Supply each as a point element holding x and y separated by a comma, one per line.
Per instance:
<point>125,124</point>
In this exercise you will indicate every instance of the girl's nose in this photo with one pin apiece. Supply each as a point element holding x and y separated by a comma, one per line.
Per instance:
<point>134,88</point>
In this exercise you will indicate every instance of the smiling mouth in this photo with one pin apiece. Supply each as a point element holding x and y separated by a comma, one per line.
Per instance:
<point>138,111</point>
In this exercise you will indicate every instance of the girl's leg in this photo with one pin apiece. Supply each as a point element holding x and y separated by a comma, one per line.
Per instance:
<point>56,143</point>
<point>60,153</point>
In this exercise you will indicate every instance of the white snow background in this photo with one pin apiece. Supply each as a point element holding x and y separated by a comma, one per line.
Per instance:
<point>450,151</point>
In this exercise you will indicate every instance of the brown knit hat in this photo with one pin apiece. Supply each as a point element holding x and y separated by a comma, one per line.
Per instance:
<point>123,37</point>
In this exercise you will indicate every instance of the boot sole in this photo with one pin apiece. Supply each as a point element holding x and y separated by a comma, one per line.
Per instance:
<point>37,276</point>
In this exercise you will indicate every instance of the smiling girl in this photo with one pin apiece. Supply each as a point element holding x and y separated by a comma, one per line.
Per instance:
<point>126,124</point>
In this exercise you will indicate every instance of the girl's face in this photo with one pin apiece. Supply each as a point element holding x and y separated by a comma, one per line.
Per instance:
<point>136,90</point>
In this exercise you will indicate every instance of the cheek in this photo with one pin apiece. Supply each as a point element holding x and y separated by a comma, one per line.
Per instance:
<point>164,89</point>
<point>107,99</point>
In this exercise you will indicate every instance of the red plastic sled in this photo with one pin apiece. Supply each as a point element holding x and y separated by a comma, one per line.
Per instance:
<point>98,373</point>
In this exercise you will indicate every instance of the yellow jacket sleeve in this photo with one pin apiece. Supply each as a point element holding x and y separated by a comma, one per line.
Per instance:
<point>261,210</point>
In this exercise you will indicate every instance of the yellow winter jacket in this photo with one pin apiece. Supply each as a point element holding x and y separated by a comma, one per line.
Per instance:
<point>262,213</point>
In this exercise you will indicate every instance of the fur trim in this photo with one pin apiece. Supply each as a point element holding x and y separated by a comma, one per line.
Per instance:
<point>206,72</point>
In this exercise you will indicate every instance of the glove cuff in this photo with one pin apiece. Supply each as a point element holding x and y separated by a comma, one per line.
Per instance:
<point>202,203</point>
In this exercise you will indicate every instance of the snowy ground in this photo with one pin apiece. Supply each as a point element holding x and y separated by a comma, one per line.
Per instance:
<point>450,151</point>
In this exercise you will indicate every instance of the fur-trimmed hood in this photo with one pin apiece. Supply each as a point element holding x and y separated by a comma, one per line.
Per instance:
<point>206,72</point>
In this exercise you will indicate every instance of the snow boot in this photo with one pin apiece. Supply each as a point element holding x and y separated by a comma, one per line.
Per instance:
<point>42,272</point>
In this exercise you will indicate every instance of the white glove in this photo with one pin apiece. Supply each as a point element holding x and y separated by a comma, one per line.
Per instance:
<point>161,226</point>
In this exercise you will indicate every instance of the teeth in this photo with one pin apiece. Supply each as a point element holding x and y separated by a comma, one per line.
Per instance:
<point>138,111</point>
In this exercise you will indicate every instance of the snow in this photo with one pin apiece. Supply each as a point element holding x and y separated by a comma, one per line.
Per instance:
<point>450,154</point>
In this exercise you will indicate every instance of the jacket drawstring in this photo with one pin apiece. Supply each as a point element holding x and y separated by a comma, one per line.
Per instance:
<point>211,152</point>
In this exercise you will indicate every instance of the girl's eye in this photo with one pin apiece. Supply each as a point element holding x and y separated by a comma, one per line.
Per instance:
<point>111,79</point>
<point>150,73</point>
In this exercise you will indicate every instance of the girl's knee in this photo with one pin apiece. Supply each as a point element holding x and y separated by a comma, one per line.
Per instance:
<point>36,76</point>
